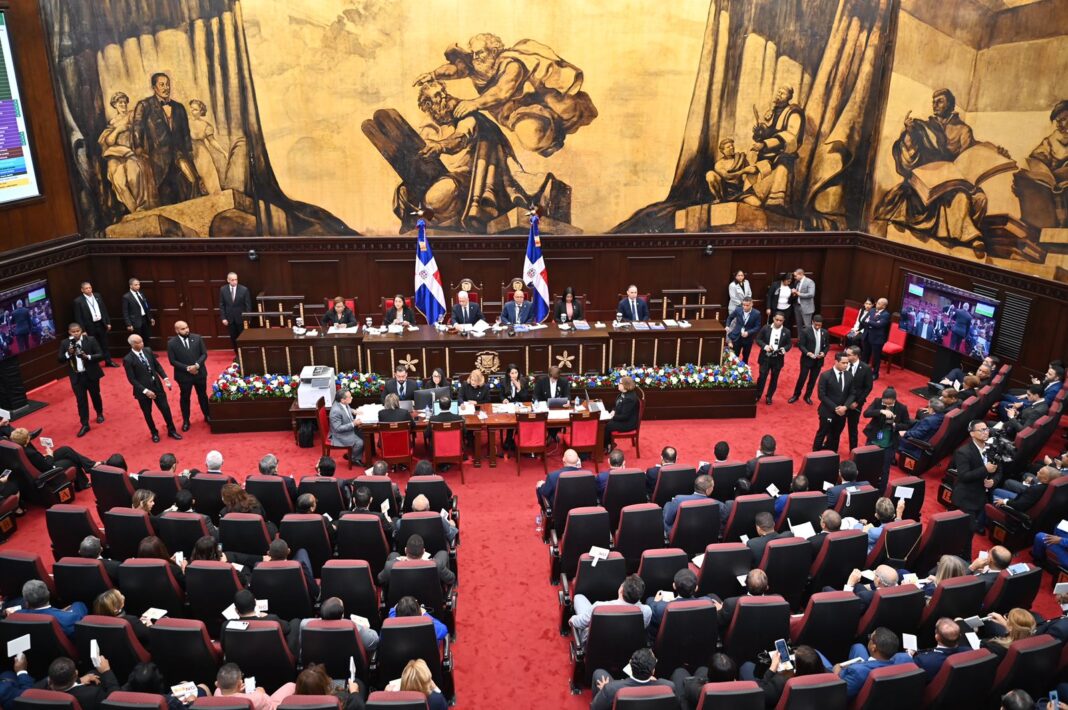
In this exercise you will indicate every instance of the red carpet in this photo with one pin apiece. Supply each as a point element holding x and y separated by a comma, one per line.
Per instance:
<point>503,564</point>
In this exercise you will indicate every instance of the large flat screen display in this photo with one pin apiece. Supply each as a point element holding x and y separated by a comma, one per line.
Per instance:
<point>18,181</point>
<point>960,320</point>
<point>26,318</point>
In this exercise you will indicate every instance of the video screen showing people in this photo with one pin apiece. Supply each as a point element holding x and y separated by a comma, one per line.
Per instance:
<point>26,319</point>
<point>959,320</point>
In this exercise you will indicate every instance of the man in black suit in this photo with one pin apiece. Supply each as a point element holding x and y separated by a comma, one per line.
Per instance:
<point>976,476</point>
<point>642,665</point>
<point>961,323</point>
<point>756,585</point>
<point>92,549</point>
<point>82,355</point>
<point>1034,408</point>
<point>668,456</point>
<point>997,560</point>
<point>1029,493</point>
<point>742,327</point>
<point>552,386</point>
<point>361,503</point>
<point>234,301</point>
<point>187,355</point>
<point>812,343</point>
<point>399,385</point>
<point>876,335</point>
<point>92,315</point>
<point>136,312</point>
<point>413,550</point>
<point>464,312</point>
<point>161,138</point>
<point>268,466</point>
<point>830,522</point>
<point>863,381</point>
<point>765,527</point>
<point>883,576</point>
<point>774,342</point>
<point>90,690</point>
<point>144,372</point>
<point>245,606</point>
<point>22,325</point>
<point>633,308</point>
<point>835,394</point>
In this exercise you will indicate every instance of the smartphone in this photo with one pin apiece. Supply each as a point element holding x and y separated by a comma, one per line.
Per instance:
<point>1055,699</point>
<point>784,655</point>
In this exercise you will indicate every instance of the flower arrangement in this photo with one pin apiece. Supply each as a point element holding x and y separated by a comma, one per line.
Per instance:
<point>230,385</point>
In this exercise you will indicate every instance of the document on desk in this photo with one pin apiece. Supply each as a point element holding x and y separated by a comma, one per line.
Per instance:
<point>559,415</point>
<point>343,329</point>
<point>605,414</point>
<point>368,413</point>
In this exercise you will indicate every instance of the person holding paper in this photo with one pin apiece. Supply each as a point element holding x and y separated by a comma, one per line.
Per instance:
<point>113,603</point>
<point>639,674</point>
<point>361,503</point>
<point>984,372</point>
<point>464,312</point>
<point>313,680</point>
<point>339,314</point>
<point>887,417</point>
<point>976,476</point>
<point>421,504</point>
<point>799,484</point>
<point>988,567</point>
<point>417,678</point>
<point>147,678</point>
<point>1018,624</point>
<point>568,308</point>
<point>333,609</point>
<point>765,528</point>
<point>229,681</point>
<point>36,599</point>
<point>15,682</point>
<point>774,342</point>
<point>517,310</point>
<point>245,606</point>
<point>399,313</point>
<point>756,585</point>
<point>885,512</point>
<point>307,504</point>
<point>63,457</point>
<point>153,547</point>
<point>847,475</point>
<point>90,690</point>
<point>948,567</point>
<point>683,588</point>
<point>415,550</point>
<point>882,576</point>
<point>206,549</point>
<point>835,393</point>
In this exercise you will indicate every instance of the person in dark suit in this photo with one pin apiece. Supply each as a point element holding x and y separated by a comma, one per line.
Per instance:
<point>90,690</point>
<point>882,647</point>
<point>21,325</point>
<point>633,308</point>
<point>546,489</point>
<point>187,355</point>
<point>268,466</point>
<point>552,386</point>
<point>464,312</point>
<point>830,522</point>
<point>756,585</point>
<point>91,548</point>
<point>835,394</point>
<point>136,312</point>
<point>812,343</point>
<point>855,336</point>
<point>947,643</point>
<point>92,315</point>
<point>361,503</point>
<point>883,576</point>
<point>234,301</point>
<point>642,665</point>
<point>144,372</point>
<point>568,308</point>
<point>765,527</point>
<point>626,412</point>
<point>863,382</point>
<point>339,314</point>
<point>923,429</point>
<point>975,475</point>
<point>887,418</point>
<point>392,411</point>
<point>668,456</point>
<point>413,550</point>
<point>960,322</point>
<point>82,355</point>
<point>399,313</point>
<point>1026,499</point>
<point>517,310</point>
<point>742,328</point>
<point>1033,409</point>
<point>400,385</point>
<point>64,457</point>
<point>161,138</point>
<point>774,342</point>
<point>875,335</point>
<point>780,298</point>
<point>515,387</point>
<point>475,388</point>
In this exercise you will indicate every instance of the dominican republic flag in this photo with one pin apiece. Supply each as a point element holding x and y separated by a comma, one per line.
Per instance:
<point>429,296</point>
<point>535,274</point>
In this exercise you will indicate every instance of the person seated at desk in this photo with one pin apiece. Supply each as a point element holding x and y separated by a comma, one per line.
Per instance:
<point>339,314</point>
<point>400,385</point>
<point>568,308</point>
<point>632,307</point>
<point>399,313</point>
<point>437,379</point>
<point>514,390</point>
<point>475,389</point>
<point>625,413</point>
<point>464,312</point>
<point>392,411</point>
<point>344,425</point>
<point>552,386</point>
<point>517,310</point>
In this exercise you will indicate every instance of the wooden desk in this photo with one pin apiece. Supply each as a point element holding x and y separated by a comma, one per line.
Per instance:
<point>599,350</point>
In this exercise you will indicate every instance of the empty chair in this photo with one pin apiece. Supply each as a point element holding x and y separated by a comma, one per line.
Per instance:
<point>180,531</point>
<point>891,687</point>
<point>1013,590</point>
<point>207,493</point>
<point>395,443</point>
<point>613,634</point>
<point>625,486</point>
<point>210,587</point>
<point>598,583</point>
<point>641,528</point>
<point>582,434</point>
<point>896,608</point>
<point>183,650</point>
<point>725,475</point>
<point>897,541</point>
<point>585,528</point>
<point>283,584</point>
<point>658,567</point>
<point>410,637</point>
<point>913,505</point>
<point>164,485</point>
<point>229,702</point>
<point>327,492</point>
<point>67,527</point>
<point>686,637</point>
<point>273,495</point>
<point>448,440</point>
<point>721,567</point>
<point>150,583</point>
<point>311,702</point>
<point>652,697</point>
<point>38,699</point>
<point>673,480</point>
<point>857,502</point>
<point>823,690</point>
<point>741,520</point>
<point>964,681</point>
<point>244,532</point>
<point>530,435</point>
<point>869,461</point>
<point>574,489</point>
<point>435,489</point>
<point>696,526</point>
<point>955,598</point>
<point>778,470</point>
<point>803,507</point>
<point>333,643</point>
<point>116,640</point>
<point>396,700</point>
<point>308,531</point>
<point>819,467</point>
<point>842,552</point>
<point>946,533</point>
<point>828,623</point>
<point>786,562</point>
<point>80,580</point>
<point>17,568</point>
<point>360,537</point>
<point>125,527</point>
<point>420,579</point>
<point>757,623</point>
<point>1030,665</point>
<point>47,640</point>
<point>736,695</point>
<point>261,650</point>
<point>111,487</point>
<point>352,581</point>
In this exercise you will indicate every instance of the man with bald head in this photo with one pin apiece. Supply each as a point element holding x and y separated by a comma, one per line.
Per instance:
<point>947,642</point>
<point>464,312</point>
<point>144,373</point>
<point>187,356</point>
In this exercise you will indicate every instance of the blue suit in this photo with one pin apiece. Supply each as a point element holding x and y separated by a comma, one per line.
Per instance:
<point>834,491</point>
<point>1041,549</point>
<point>66,619</point>
<point>671,509</point>
<point>750,323</point>
<point>627,309</point>
<point>602,483</point>
<point>547,490</point>
<point>855,675</point>
<point>13,685</point>
<point>923,430</point>
<point>510,317</point>
<point>931,660</point>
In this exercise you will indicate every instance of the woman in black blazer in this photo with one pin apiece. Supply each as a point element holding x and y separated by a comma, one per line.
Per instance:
<point>398,309</point>
<point>771,303</point>
<point>475,389</point>
<point>339,314</point>
<point>392,412</point>
<point>560,310</point>
<point>625,413</point>
<point>856,328</point>
<point>514,389</point>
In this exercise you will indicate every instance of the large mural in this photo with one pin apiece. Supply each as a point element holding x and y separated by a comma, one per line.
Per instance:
<point>927,123</point>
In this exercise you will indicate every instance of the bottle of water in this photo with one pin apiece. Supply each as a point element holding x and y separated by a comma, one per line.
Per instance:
<point>577,401</point>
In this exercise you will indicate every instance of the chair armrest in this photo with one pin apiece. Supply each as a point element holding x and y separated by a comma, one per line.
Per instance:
<point>565,590</point>
<point>1017,516</point>
<point>577,652</point>
<point>47,476</point>
<point>920,444</point>
<point>554,541</point>
<point>446,655</point>
<point>450,597</point>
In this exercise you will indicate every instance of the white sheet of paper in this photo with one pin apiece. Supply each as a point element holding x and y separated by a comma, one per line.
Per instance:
<point>352,667</point>
<point>904,492</point>
<point>744,539</point>
<point>328,518</point>
<point>362,621</point>
<point>230,613</point>
<point>94,652</point>
<point>250,684</point>
<point>12,609</point>
<point>911,578</point>
<point>559,415</point>
<point>1061,588</point>
<point>699,560</point>
<point>701,464</point>
<point>444,514</point>
<point>741,579</point>
<point>154,613</point>
<point>772,490</point>
<point>1063,527</point>
<point>426,555</point>
<point>4,414</point>
<point>261,605</point>
<point>184,689</point>
<point>849,522</point>
<point>236,566</point>
<point>909,642</point>
<point>237,624</point>
<point>984,554</point>
<point>179,557</point>
<point>46,442</point>
<point>827,485</point>
<point>805,530</point>
<point>666,596</point>
<point>974,621</point>
<point>973,640</point>
<point>385,506</point>
<point>868,575</point>
<point>598,553</point>
<point>17,645</point>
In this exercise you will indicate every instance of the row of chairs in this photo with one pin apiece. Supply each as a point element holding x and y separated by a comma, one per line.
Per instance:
<point>38,699</point>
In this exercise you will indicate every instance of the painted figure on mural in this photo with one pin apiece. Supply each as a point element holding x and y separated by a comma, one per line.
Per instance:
<point>777,136</point>
<point>527,88</point>
<point>126,172</point>
<point>1043,186</point>
<point>727,180</point>
<point>161,136</point>
<point>209,158</point>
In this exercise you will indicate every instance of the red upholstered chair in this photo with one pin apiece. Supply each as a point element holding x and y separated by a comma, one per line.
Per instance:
<point>80,580</point>
<point>724,476</point>
<point>964,681</point>
<point>598,583</point>
<point>584,528</point>
<point>420,579</point>
<point>786,562</point>
<point>696,526</point>
<point>895,346</point>
<point>124,700</point>
<point>47,640</point>
<point>531,432</point>
<point>673,480</point>
<point>313,702</point>
<point>849,317</point>
<point>112,488</point>
<point>956,598</point>
<point>859,503</point>
<point>183,651</point>
<point>658,567</point>
<point>1015,529</point>
<point>613,634</point>
<point>37,699</point>
<point>634,434</point>
<point>164,485</point>
<point>625,486</point>
<point>641,528</point>
<point>891,687</point>
<point>575,489</point>
<point>322,416</point>
<point>407,638</point>
<point>17,568</point>
<point>898,541</point>
<point>1030,665</point>
<point>741,520</point>
<point>721,567</point>
<point>435,489</point>
<point>449,445</point>
<point>819,467</point>
<point>308,531</point>
<point>913,505</point>
<point>149,582</point>
<point>282,584</point>
<point>8,506</point>
<point>946,533</point>
<point>116,640</point>
<point>126,528</point>
<point>67,527</point>
<point>755,626</point>
<point>395,443</point>
<point>686,637</point>
<point>352,582</point>
<point>842,552</point>
<point>828,623</point>
<point>207,493</point>
<point>244,532</point>
<point>583,435</point>
<point>823,690</point>
<point>803,507</point>
<point>14,457</point>
<point>261,650</point>
<point>772,469</point>
<point>272,494</point>
<point>426,524</point>
<point>327,492</point>
<point>386,302</point>
<point>736,695</point>
<point>210,587</point>
<point>869,461</point>
<point>230,702</point>
<point>897,608</point>
<point>654,697</point>
<point>360,537</point>
<point>180,531</point>
<point>396,700</point>
<point>1013,590</point>
<point>382,488</point>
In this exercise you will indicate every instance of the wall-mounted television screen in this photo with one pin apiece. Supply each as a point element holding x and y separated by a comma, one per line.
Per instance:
<point>26,318</point>
<point>960,320</point>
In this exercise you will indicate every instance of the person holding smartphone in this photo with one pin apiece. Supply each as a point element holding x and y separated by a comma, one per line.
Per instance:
<point>9,486</point>
<point>804,661</point>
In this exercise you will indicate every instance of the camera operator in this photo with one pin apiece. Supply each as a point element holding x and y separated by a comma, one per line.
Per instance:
<point>82,355</point>
<point>889,418</point>
<point>978,465</point>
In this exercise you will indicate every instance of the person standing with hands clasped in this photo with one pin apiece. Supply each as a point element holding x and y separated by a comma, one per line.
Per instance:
<point>976,475</point>
<point>835,394</point>
<point>144,373</point>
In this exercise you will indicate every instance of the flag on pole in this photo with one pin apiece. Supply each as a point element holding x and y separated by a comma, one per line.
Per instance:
<point>535,274</point>
<point>429,296</point>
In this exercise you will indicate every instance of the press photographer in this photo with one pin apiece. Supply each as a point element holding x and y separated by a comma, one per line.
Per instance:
<point>83,354</point>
